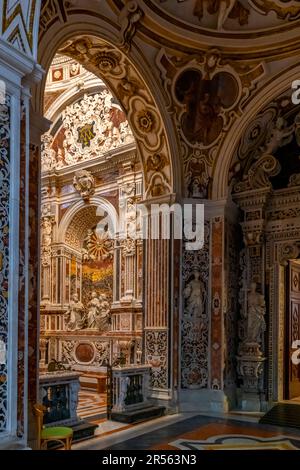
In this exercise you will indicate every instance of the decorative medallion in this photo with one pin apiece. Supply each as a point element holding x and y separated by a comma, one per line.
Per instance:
<point>86,134</point>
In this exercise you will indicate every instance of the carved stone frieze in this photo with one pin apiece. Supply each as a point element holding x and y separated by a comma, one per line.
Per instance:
<point>98,352</point>
<point>156,351</point>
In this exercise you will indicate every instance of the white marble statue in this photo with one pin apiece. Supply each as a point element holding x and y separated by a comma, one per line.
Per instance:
<point>194,294</point>
<point>94,310</point>
<point>75,315</point>
<point>103,319</point>
<point>256,324</point>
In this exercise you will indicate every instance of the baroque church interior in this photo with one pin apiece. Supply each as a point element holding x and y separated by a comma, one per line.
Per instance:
<point>116,116</point>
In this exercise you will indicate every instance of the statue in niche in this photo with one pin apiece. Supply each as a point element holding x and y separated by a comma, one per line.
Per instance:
<point>75,315</point>
<point>194,295</point>
<point>94,310</point>
<point>256,324</point>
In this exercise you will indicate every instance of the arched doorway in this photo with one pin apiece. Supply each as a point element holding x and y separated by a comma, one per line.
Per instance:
<point>262,177</point>
<point>151,130</point>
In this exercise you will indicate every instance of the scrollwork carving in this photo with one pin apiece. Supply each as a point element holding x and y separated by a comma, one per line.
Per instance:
<point>129,17</point>
<point>259,173</point>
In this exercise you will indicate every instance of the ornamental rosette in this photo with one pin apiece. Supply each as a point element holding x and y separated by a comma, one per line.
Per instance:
<point>145,121</point>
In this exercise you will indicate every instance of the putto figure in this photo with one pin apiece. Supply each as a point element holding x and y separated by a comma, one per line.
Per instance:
<point>84,183</point>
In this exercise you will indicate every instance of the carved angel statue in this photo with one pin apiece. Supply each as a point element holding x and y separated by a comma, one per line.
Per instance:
<point>281,135</point>
<point>194,294</point>
<point>256,324</point>
<point>75,315</point>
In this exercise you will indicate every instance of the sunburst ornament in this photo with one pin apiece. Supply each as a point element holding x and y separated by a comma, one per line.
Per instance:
<point>97,246</point>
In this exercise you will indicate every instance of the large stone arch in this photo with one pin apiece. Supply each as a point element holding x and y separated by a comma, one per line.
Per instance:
<point>129,79</point>
<point>95,202</point>
<point>273,89</point>
<point>246,171</point>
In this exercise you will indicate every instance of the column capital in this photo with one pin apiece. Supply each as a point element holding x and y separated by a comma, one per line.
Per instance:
<point>38,126</point>
<point>15,65</point>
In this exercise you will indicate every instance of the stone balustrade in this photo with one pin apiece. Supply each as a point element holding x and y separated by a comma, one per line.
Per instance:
<point>130,387</point>
<point>58,392</point>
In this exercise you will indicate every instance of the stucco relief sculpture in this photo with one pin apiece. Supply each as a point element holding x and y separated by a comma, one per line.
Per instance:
<point>281,134</point>
<point>48,154</point>
<point>46,239</point>
<point>194,294</point>
<point>84,183</point>
<point>92,127</point>
<point>98,312</point>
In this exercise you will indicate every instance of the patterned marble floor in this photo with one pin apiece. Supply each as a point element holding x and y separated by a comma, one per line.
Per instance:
<point>91,405</point>
<point>207,433</point>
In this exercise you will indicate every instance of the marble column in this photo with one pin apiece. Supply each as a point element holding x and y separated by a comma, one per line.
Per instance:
<point>251,353</point>
<point>159,301</point>
<point>19,245</point>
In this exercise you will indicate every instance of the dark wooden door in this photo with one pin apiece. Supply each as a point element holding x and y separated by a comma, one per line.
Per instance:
<point>293,330</point>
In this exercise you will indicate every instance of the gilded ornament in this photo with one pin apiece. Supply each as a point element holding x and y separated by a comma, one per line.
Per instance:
<point>105,62</point>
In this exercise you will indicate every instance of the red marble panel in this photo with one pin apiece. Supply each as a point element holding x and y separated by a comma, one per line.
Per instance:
<point>216,303</point>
